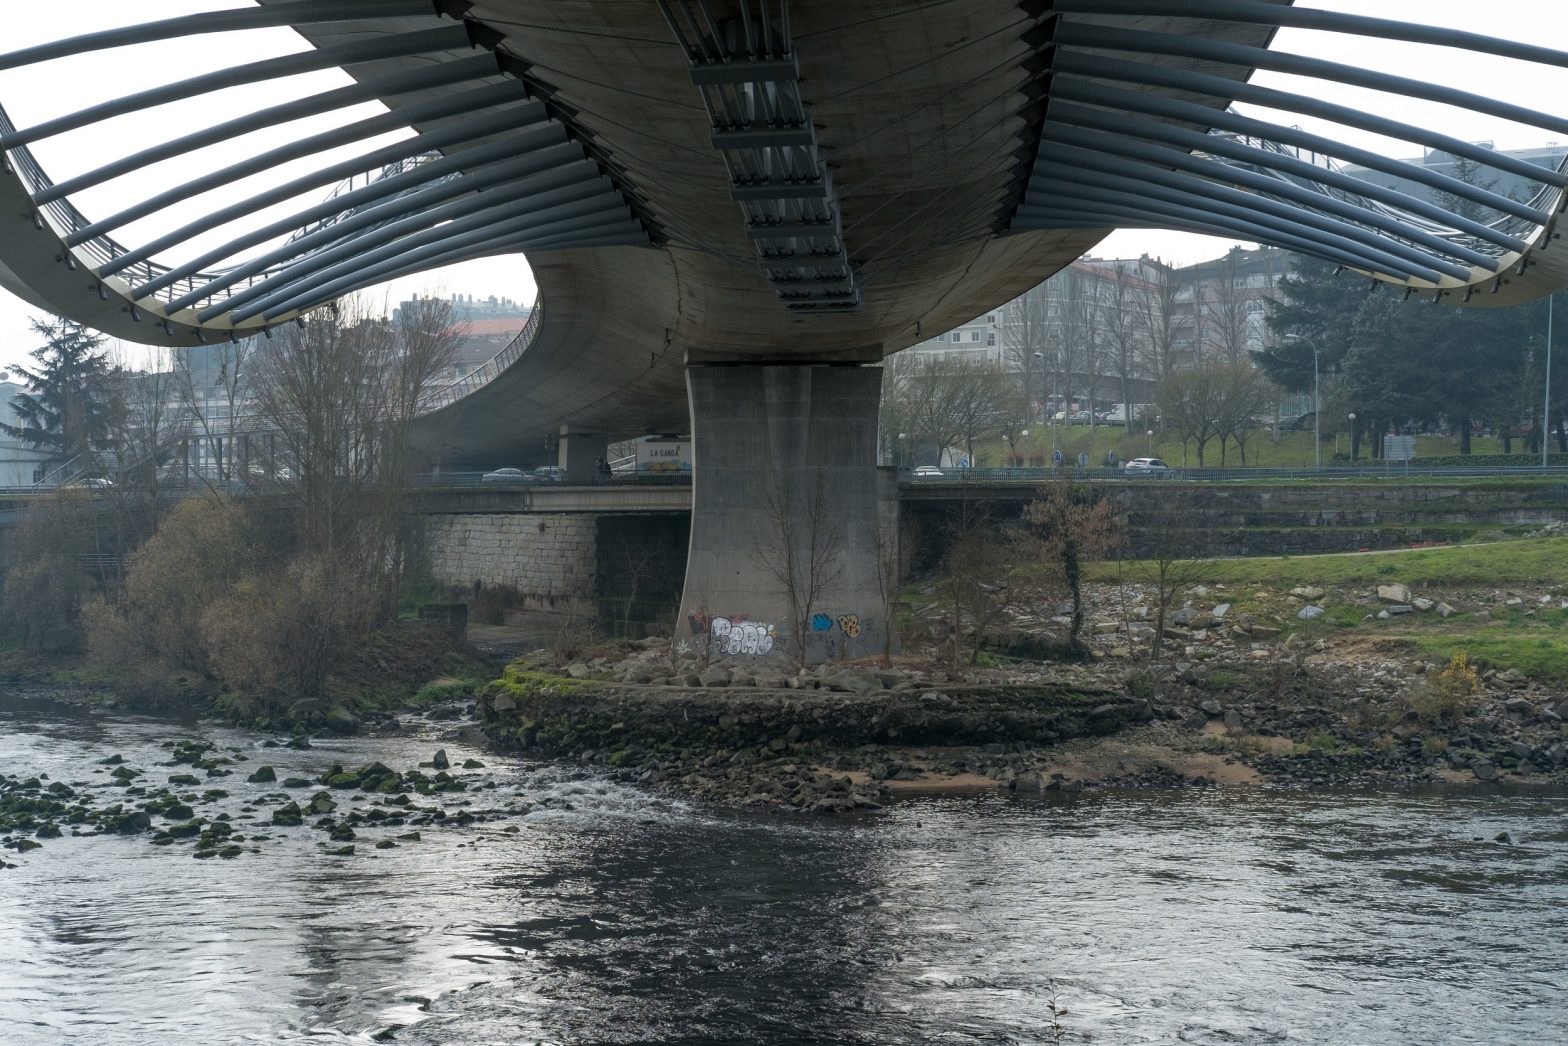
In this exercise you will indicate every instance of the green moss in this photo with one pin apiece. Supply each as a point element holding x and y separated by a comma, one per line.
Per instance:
<point>1539,653</point>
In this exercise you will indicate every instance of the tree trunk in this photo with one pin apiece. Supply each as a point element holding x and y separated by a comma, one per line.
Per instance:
<point>1464,435</point>
<point>1507,435</point>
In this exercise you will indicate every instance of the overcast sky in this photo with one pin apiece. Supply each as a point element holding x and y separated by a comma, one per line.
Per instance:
<point>41,92</point>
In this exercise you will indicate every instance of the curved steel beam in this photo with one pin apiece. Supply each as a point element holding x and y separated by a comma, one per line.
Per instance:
<point>1154,105</point>
<point>530,116</point>
<point>1136,179</point>
<point>517,200</point>
<point>1121,125</point>
<point>526,175</point>
<point>535,139</point>
<point>301,12</point>
<point>437,108</point>
<point>1283,15</point>
<point>1148,74</point>
<point>415,82</point>
<point>1079,34</point>
<point>402,45</point>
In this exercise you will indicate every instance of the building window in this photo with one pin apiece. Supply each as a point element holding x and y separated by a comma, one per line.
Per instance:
<point>940,337</point>
<point>974,335</point>
<point>990,339</point>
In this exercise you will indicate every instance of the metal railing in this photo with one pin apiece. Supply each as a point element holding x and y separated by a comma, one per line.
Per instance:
<point>446,395</point>
<point>1118,474</point>
<point>468,479</point>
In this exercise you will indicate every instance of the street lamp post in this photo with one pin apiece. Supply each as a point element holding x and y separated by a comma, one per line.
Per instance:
<point>901,450</point>
<point>1352,437</point>
<point>1150,434</point>
<point>1045,388</point>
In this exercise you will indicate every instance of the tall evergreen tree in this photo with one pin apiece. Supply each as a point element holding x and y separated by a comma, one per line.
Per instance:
<point>65,408</point>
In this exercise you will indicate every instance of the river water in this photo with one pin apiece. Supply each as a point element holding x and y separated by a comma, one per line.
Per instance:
<point>609,916</point>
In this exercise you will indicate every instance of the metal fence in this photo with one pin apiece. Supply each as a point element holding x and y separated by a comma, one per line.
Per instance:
<point>1333,474</point>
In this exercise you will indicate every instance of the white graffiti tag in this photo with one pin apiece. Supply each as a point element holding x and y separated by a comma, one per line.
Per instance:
<point>747,637</point>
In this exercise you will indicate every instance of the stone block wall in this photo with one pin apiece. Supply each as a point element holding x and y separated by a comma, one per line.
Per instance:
<point>550,558</point>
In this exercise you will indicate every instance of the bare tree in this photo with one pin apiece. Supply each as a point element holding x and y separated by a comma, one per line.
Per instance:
<point>1120,317</point>
<point>1155,309</point>
<point>889,570</point>
<point>1190,403</point>
<point>1244,396</point>
<point>985,570</point>
<point>800,549</point>
<point>1026,324</point>
<point>340,394</point>
<point>945,403</point>
<point>1077,525</point>
<point>214,382</point>
<point>1227,309</point>
<point>1168,560</point>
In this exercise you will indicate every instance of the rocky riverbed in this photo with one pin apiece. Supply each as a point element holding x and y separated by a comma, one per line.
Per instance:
<point>838,738</point>
<point>228,801</point>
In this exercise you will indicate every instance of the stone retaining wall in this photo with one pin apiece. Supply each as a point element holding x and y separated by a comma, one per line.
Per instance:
<point>547,557</point>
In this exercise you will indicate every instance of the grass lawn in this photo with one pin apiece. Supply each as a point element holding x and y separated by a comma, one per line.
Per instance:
<point>1294,449</point>
<point>1527,561</point>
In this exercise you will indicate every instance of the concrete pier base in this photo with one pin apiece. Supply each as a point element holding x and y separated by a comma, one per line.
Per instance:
<point>785,538</point>
<point>579,454</point>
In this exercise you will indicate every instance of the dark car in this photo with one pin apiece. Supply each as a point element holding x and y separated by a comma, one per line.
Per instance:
<point>549,474</point>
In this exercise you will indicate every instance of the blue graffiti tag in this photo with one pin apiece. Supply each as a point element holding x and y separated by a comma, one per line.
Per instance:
<point>821,623</point>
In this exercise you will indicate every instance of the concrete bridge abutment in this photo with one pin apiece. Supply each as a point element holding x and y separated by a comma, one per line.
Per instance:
<point>786,539</point>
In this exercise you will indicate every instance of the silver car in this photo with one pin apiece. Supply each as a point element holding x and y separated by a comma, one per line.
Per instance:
<point>506,476</point>
<point>1147,467</point>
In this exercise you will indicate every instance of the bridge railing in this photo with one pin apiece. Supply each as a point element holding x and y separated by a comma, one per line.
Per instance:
<point>446,395</point>
<point>1380,472</point>
<point>623,479</point>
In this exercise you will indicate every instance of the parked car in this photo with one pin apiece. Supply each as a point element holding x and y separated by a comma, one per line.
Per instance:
<point>506,476</point>
<point>90,483</point>
<point>927,472</point>
<point>550,474</point>
<point>1147,467</point>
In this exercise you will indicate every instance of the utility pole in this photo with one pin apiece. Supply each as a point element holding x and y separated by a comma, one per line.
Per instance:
<point>1546,403</point>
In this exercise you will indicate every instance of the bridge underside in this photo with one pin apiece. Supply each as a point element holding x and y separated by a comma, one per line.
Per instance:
<point>766,194</point>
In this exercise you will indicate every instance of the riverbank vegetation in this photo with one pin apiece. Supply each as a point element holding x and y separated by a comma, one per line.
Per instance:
<point>281,604</point>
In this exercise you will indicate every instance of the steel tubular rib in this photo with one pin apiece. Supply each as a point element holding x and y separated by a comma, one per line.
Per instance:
<point>516,120</point>
<point>1078,34</point>
<point>429,41</point>
<point>417,81</point>
<point>437,108</point>
<point>1151,105</point>
<point>520,177</point>
<point>1240,204</point>
<point>1120,125</point>
<point>378,190</point>
<point>1332,21</point>
<point>1150,75</point>
<point>510,203</point>
<point>308,12</point>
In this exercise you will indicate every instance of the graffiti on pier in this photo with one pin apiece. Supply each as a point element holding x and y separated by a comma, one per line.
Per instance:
<point>849,624</point>
<point>821,623</point>
<point>731,635</point>
<point>741,637</point>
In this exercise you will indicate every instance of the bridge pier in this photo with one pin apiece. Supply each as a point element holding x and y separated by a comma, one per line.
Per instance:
<point>579,452</point>
<point>785,545</point>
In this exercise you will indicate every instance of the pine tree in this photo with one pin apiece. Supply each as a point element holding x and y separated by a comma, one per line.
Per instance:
<point>65,409</point>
